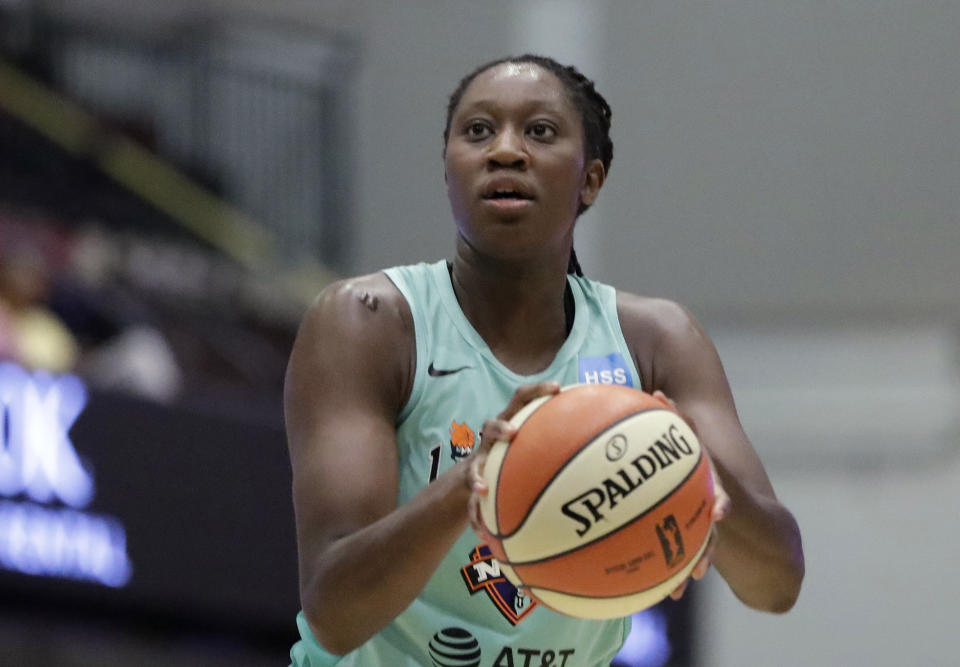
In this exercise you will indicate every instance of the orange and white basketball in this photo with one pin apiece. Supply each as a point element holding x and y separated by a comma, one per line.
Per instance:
<point>601,504</point>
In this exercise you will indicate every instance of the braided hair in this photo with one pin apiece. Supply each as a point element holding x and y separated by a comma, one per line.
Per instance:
<point>594,111</point>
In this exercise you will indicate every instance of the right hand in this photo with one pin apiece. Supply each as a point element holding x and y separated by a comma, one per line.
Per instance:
<point>721,506</point>
<point>496,429</point>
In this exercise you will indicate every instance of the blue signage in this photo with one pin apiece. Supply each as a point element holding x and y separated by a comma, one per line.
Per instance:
<point>45,528</point>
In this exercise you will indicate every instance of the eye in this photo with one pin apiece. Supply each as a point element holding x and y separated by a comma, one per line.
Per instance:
<point>477,129</point>
<point>542,131</point>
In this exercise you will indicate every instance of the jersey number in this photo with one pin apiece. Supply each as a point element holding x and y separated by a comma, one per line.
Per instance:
<point>435,462</point>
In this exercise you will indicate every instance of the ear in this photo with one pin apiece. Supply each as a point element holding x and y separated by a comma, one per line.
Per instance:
<point>594,176</point>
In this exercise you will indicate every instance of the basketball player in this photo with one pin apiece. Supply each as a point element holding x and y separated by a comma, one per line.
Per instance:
<point>395,376</point>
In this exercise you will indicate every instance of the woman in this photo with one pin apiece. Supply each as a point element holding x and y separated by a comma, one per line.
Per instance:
<point>393,374</point>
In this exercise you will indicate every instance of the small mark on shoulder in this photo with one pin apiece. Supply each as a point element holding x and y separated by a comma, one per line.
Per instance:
<point>369,300</point>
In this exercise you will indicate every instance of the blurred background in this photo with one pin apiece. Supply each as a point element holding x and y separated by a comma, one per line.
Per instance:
<point>178,180</point>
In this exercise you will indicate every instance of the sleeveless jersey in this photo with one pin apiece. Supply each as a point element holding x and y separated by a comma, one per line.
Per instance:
<point>469,615</point>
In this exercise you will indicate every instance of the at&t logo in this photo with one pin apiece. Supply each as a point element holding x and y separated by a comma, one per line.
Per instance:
<point>454,647</point>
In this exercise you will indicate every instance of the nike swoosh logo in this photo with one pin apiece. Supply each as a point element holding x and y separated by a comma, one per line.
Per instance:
<point>440,372</point>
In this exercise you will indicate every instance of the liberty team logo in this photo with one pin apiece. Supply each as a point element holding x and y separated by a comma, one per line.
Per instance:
<point>483,574</point>
<point>461,440</point>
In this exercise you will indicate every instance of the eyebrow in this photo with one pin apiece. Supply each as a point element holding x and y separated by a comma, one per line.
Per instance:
<point>491,104</point>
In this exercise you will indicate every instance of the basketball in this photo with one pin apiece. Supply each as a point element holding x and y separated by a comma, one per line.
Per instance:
<point>601,504</point>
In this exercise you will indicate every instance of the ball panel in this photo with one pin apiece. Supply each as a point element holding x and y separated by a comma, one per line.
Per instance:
<point>616,606</point>
<point>555,431</point>
<point>492,541</point>
<point>491,473</point>
<point>618,476</point>
<point>492,466</point>
<point>640,554</point>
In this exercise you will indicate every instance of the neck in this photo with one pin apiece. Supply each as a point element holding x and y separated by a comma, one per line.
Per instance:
<point>517,307</point>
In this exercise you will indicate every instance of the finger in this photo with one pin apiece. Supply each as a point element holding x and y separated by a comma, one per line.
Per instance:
<point>478,484</point>
<point>679,590</point>
<point>663,397</point>
<point>473,512</point>
<point>721,499</point>
<point>700,569</point>
<point>706,560</point>
<point>721,504</point>
<point>526,393</point>
<point>495,430</point>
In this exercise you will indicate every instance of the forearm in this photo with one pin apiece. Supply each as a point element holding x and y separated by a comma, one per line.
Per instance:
<point>362,581</point>
<point>759,551</point>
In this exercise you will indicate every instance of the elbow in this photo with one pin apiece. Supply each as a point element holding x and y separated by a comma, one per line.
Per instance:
<point>326,619</point>
<point>782,606</point>
<point>789,578</point>
<point>326,611</point>
<point>795,582</point>
<point>774,599</point>
<point>784,601</point>
<point>786,591</point>
<point>776,585</point>
<point>326,632</point>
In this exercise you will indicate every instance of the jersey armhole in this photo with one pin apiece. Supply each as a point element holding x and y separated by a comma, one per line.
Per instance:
<point>610,299</point>
<point>397,277</point>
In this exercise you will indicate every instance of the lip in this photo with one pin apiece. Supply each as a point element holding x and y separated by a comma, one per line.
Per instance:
<point>508,205</point>
<point>506,183</point>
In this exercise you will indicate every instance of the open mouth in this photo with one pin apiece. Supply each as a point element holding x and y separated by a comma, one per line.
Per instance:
<point>508,195</point>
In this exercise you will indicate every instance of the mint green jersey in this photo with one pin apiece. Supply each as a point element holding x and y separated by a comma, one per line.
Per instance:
<point>468,614</point>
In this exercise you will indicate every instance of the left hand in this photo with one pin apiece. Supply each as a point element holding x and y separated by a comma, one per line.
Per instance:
<point>496,429</point>
<point>721,507</point>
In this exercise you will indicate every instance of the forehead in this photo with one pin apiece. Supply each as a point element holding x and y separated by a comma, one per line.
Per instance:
<point>517,85</point>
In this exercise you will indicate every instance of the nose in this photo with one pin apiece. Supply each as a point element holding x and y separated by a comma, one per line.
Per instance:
<point>507,150</point>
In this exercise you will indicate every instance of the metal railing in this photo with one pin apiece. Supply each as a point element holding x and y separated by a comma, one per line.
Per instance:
<point>253,114</point>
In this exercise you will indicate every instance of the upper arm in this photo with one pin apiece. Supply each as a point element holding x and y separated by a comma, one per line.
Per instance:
<point>349,374</point>
<point>675,355</point>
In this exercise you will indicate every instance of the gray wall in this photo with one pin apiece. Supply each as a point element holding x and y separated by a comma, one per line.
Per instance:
<point>413,55</point>
<point>770,156</point>
<point>779,155</point>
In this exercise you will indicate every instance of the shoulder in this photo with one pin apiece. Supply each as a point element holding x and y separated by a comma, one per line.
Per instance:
<point>660,333</point>
<point>349,298</point>
<point>654,319</point>
<point>365,310</point>
<point>357,329</point>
